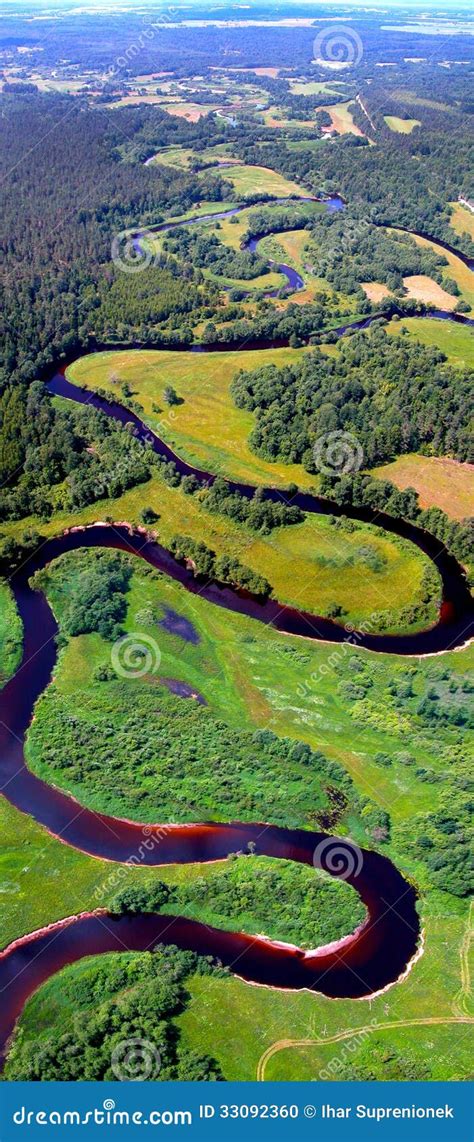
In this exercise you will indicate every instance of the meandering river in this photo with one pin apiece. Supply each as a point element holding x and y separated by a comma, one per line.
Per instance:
<point>368,960</point>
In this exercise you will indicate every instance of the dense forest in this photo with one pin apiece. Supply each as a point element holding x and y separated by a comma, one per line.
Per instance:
<point>393,394</point>
<point>53,459</point>
<point>312,911</point>
<point>59,220</point>
<point>207,252</point>
<point>135,46</point>
<point>104,1004</point>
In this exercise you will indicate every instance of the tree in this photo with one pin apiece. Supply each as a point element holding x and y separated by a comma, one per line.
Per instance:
<point>170,396</point>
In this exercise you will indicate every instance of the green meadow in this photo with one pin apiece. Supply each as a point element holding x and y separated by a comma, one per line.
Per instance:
<point>251,676</point>
<point>455,341</point>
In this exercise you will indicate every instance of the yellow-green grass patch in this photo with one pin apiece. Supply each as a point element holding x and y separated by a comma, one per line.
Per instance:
<point>43,880</point>
<point>204,206</point>
<point>289,248</point>
<point>247,671</point>
<point>311,565</point>
<point>444,1045</point>
<point>440,482</point>
<point>310,87</point>
<point>135,100</point>
<point>260,180</point>
<point>401,126</point>
<point>462,219</point>
<point>409,97</point>
<point>292,244</point>
<point>178,157</point>
<point>455,341</point>
<point>206,429</point>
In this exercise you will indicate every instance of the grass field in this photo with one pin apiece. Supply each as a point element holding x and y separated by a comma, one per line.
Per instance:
<point>178,157</point>
<point>292,246</point>
<point>260,180</point>
<point>290,249</point>
<point>207,429</point>
<point>277,117</point>
<point>456,270</point>
<point>410,98</point>
<point>257,1015</point>
<point>341,118</point>
<point>42,880</point>
<point>423,288</point>
<point>255,1032</point>
<point>231,232</point>
<point>402,126</point>
<point>440,482</point>
<point>249,674</point>
<point>310,87</point>
<point>462,219</point>
<point>204,206</point>
<point>456,341</point>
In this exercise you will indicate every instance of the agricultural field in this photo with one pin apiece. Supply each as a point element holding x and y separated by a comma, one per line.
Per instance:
<point>375,291</point>
<point>462,219</point>
<point>341,118</point>
<point>440,482</point>
<point>422,288</point>
<point>249,180</point>
<point>455,271</point>
<point>188,110</point>
<point>402,126</point>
